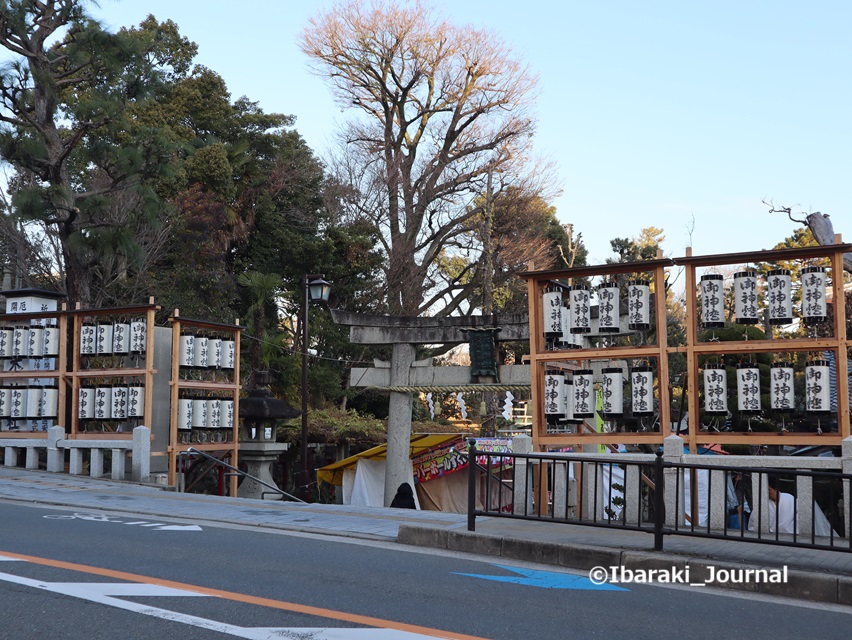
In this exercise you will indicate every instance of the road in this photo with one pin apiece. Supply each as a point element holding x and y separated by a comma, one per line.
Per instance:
<point>72,575</point>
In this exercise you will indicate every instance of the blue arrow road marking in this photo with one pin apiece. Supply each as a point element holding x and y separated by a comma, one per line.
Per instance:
<point>545,579</point>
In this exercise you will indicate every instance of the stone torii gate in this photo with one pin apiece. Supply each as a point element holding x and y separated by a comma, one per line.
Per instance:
<point>402,376</point>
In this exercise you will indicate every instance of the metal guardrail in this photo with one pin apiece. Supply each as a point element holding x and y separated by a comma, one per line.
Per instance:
<point>645,492</point>
<point>239,472</point>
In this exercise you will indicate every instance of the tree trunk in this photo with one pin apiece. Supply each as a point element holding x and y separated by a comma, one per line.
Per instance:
<point>820,225</point>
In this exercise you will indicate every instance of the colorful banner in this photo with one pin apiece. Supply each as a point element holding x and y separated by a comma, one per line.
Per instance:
<point>452,456</point>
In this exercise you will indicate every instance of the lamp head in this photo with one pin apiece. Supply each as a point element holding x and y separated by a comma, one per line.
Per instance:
<point>319,290</point>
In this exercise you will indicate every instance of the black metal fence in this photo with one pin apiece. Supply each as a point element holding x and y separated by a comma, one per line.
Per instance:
<point>641,492</point>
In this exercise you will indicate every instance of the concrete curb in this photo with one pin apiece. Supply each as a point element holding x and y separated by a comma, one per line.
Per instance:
<point>800,585</point>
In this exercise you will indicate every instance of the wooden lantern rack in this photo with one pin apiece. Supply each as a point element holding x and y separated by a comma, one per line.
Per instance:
<point>660,351</point>
<point>232,387</point>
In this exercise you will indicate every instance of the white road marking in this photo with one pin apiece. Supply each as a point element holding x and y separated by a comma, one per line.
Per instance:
<point>108,593</point>
<point>156,526</point>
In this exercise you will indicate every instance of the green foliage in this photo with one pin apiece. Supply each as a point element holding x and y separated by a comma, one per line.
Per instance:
<point>335,426</point>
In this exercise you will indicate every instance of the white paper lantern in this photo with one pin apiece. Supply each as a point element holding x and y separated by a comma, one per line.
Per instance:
<point>612,389</point>
<point>51,339</point>
<point>639,305</point>
<point>186,357</point>
<point>814,308</point>
<point>199,413</point>
<point>214,353</point>
<point>226,411</point>
<point>87,339</point>
<point>566,340</point>
<point>6,337</point>
<point>214,419</point>
<point>642,390</point>
<point>200,352</point>
<point>748,388</point>
<point>745,297</point>
<point>229,350</point>
<point>715,389</point>
<point>138,336</point>
<point>779,296</point>
<point>103,402</point>
<point>86,403</point>
<point>584,393</point>
<point>121,338</point>
<point>552,301</point>
<point>33,401</point>
<point>712,301</point>
<point>135,400</point>
<point>5,402</point>
<point>35,348</point>
<point>103,341</point>
<point>781,389</point>
<point>817,387</point>
<point>581,309</point>
<point>49,402</point>
<point>119,402</point>
<point>608,308</point>
<point>569,340</point>
<point>18,408</point>
<point>570,416</point>
<point>554,390</point>
<point>20,342</point>
<point>184,412</point>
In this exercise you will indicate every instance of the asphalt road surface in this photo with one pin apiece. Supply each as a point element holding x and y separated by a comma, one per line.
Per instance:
<point>86,575</point>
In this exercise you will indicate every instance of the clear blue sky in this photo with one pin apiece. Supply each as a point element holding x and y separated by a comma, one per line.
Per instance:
<point>655,112</point>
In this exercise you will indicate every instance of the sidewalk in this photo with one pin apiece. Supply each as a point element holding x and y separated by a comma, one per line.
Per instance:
<point>823,576</point>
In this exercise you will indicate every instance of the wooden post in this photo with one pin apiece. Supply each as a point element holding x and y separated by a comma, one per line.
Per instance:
<point>172,447</point>
<point>235,445</point>
<point>536,315</point>
<point>691,358</point>
<point>662,346</point>
<point>841,361</point>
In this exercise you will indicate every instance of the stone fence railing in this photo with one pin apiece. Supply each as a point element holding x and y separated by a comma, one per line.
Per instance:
<point>56,446</point>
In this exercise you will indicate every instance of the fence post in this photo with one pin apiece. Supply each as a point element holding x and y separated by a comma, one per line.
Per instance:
<point>846,467</point>
<point>760,495</point>
<point>522,500</point>
<point>561,491</point>
<point>717,506</point>
<point>659,501</point>
<point>140,463</point>
<point>471,485</point>
<point>673,454</point>
<point>55,455</point>
<point>10,457</point>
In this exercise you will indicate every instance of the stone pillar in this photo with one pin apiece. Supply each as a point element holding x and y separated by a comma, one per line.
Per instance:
<point>760,494</point>
<point>674,499</point>
<point>522,502</point>
<point>96,462</point>
<point>805,505</point>
<point>398,461</point>
<point>632,494</point>
<point>718,504</point>
<point>55,455</point>
<point>32,458</point>
<point>846,467</point>
<point>140,463</point>
<point>10,456</point>
<point>76,461</point>
<point>119,464</point>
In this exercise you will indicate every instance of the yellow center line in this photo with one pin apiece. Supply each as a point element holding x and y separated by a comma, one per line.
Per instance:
<point>242,597</point>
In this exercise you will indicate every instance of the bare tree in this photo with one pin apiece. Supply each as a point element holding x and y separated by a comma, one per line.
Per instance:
<point>819,224</point>
<point>440,107</point>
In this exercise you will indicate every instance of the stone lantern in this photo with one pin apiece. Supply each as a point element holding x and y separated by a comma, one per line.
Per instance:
<point>259,412</point>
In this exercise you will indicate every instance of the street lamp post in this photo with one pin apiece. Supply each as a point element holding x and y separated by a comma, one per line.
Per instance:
<point>317,289</point>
